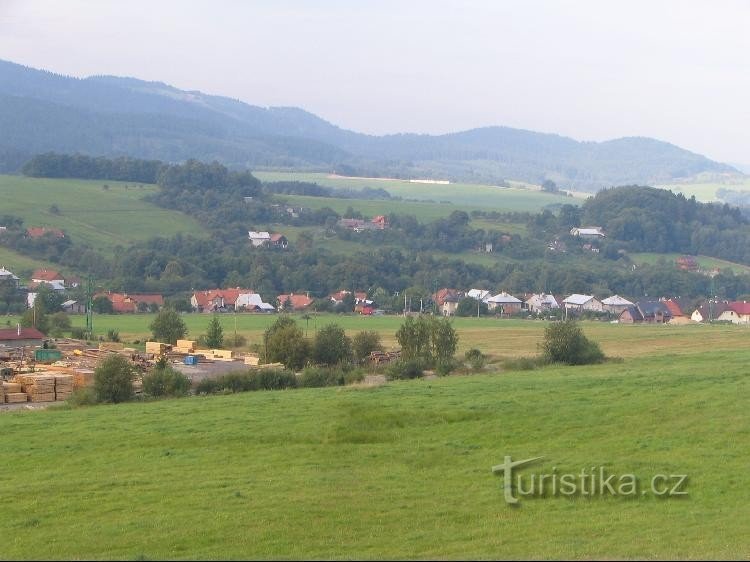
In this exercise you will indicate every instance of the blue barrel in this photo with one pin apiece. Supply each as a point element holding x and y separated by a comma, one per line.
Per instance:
<point>191,360</point>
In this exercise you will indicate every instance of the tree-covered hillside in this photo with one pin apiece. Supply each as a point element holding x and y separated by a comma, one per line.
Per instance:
<point>103,115</point>
<point>647,219</point>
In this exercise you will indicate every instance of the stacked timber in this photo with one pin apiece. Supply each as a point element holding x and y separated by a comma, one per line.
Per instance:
<point>252,360</point>
<point>12,393</point>
<point>83,378</point>
<point>2,393</point>
<point>156,348</point>
<point>185,346</point>
<point>40,388</point>
<point>64,385</point>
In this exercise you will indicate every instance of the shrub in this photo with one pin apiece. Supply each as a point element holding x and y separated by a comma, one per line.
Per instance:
<point>276,379</point>
<point>564,342</point>
<point>235,340</point>
<point>331,346</point>
<point>407,369</point>
<point>207,386</point>
<point>113,335</point>
<point>316,377</point>
<point>524,363</point>
<point>364,343</point>
<point>475,359</point>
<point>113,380</point>
<point>77,333</point>
<point>445,366</point>
<point>82,397</point>
<point>285,343</point>
<point>165,381</point>
<point>59,321</point>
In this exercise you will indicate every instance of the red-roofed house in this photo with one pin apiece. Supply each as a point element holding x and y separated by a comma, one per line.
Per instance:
<point>214,300</point>
<point>47,276</point>
<point>123,303</point>
<point>279,241</point>
<point>737,313</point>
<point>40,231</point>
<point>20,337</point>
<point>678,316</point>
<point>294,302</point>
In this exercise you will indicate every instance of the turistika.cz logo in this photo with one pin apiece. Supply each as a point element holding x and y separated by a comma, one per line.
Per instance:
<point>590,481</point>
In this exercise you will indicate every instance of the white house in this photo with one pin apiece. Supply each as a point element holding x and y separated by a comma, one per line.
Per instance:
<point>252,301</point>
<point>542,302</point>
<point>504,303</point>
<point>259,238</point>
<point>479,294</point>
<point>588,233</point>
<point>8,276</point>
<point>737,313</point>
<point>616,304</point>
<point>579,303</point>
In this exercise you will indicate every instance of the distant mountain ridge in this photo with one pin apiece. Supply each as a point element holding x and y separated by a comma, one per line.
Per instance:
<point>107,115</point>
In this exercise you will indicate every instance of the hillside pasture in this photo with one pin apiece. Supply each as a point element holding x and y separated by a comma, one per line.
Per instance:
<point>704,262</point>
<point>89,213</point>
<point>518,197</point>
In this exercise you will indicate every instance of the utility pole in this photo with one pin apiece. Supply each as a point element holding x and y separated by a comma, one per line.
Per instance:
<point>90,308</point>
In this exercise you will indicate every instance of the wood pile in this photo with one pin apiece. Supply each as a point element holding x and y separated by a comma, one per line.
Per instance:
<point>83,378</point>
<point>252,360</point>
<point>266,366</point>
<point>185,346</point>
<point>16,397</point>
<point>156,348</point>
<point>40,388</point>
<point>64,385</point>
<point>11,387</point>
<point>111,346</point>
<point>384,357</point>
<point>2,393</point>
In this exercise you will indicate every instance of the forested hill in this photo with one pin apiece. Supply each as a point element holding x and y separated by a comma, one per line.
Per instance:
<point>647,219</point>
<point>103,115</point>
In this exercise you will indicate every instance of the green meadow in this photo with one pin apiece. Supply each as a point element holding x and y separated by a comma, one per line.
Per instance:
<point>89,213</point>
<point>392,472</point>
<point>496,337</point>
<point>518,197</point>
<point>706,192</point>
<point>704,262</point>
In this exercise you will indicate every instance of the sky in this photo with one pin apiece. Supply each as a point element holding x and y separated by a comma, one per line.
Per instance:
<point>672,70</point>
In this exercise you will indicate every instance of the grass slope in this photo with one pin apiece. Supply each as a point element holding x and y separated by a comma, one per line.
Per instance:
<point>400,471</point>
<point>90,214</point>
<point>519,197</point>
<point>706,192</point>
<point>705,262</point>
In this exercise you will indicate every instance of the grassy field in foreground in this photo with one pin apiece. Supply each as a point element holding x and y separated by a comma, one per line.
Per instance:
<point>398,471</point>
<point>520,197</point>
<point>499,338</point>
<point>90,214</point>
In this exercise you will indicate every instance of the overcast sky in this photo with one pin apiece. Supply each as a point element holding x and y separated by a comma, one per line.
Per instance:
<point>677,71</point>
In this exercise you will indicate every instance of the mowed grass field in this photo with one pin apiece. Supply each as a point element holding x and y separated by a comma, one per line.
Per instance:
<point>704,262</point>
<point>497,337</point>
<point>706,192</point>
<point>392,472</point>
<point>519,197</point>
<point>90,214</point>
